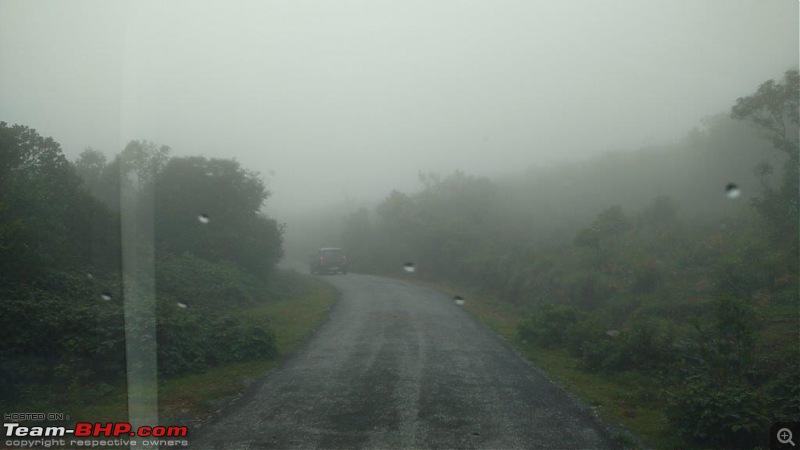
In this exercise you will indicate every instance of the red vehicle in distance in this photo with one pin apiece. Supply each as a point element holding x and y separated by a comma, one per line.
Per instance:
<point>328,260</point>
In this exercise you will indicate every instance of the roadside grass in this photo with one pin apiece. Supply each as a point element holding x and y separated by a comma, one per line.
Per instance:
<point>628,399</point>
<point>292,318</point>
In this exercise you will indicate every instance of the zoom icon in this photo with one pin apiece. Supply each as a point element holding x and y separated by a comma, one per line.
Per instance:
<point>783,435</point>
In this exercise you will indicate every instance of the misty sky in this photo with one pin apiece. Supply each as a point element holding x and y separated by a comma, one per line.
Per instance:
<point>335,99</point>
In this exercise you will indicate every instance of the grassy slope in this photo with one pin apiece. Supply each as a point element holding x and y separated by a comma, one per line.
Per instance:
<point>192,398</point>
<point>622,399</point>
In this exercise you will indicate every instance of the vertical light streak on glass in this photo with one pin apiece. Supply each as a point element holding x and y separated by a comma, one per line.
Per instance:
<point>138,288</point>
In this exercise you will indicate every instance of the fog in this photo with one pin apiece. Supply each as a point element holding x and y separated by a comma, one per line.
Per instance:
<point>344,101</point>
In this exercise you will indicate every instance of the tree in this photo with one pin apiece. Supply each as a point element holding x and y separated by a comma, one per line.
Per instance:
<point>773,111</point>
<point>46,219</point>
<point>607,226</point>
<point>207,207</point>
<point>91,165</point>
<point>211,208</point>
<point>143,159</point>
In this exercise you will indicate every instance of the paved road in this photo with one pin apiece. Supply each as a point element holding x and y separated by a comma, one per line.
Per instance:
<point>400,366</point>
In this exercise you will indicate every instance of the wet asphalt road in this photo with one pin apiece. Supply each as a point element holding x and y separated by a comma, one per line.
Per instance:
<point>400,366</point>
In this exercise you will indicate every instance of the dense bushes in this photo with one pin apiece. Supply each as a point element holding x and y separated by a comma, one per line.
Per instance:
<point>73,336</point>
<point>64,334</point>
<point>722,385</point>
<point>615,260</point>
<point>732,416</point>
<point>645,345</point>
<point>191,341</point>
<point>551,327</point>
<point>62,322</point>
<point>204,284</point>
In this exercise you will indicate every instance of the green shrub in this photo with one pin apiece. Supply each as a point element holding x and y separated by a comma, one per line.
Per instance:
<point>645,345</point>
<point>590,290</point>
<point>182,340</point>
<point>191,341</point>
<point>60,339</point>
<point>551,326</point>
<point>648,278</point>
<point>586,334</point>
<point>236,341</point>
<point>726,394</point>
<point>729,416</point>
<point>205,284</point>
<point>605,353</point>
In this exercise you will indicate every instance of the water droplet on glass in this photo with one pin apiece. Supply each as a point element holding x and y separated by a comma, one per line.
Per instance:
<point>459,300</point>
<point>182,305</point>
<point>105,296</point>
<point>203,218</point>
<point>409,267</point>
<point>732,190</point>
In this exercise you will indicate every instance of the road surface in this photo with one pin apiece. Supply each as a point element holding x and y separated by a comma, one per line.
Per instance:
<point>401,366</point>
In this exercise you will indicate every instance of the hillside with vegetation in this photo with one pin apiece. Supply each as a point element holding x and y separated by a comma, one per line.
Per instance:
<point>675,266</point>
<point>65,230</point>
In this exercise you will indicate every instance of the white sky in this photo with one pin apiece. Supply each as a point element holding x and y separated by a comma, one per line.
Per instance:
<point>334,99</point>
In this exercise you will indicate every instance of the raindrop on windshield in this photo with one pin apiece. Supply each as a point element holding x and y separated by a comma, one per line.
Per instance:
<point>409,267</point>
<point>182,305</point>
<point>203,218</point>
<point>105,296</point>
<point>732,191</point>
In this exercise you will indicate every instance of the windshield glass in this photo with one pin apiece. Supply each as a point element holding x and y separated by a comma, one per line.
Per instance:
<point>371,224</point>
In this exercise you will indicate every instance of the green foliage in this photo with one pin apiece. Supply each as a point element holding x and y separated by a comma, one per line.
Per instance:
<point>727,394</point>
<point>773,111</point>
<point>60,331</point>
<point>729,416</point>
<point>191,341</point>
<point>645,345</point>
<point>61,303</point>
<point>588,237</point>
<point>204,284</point>
<point>230,197</point>
<point>608,226</point>
<point>551,326</point>
<point>647,278</point>
<point>45,216</point>
<point>436,228</point>
<point>704,302</point>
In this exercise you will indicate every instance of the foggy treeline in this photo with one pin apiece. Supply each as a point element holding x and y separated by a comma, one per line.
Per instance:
<point>198,220</point>
<point>677,261</point>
